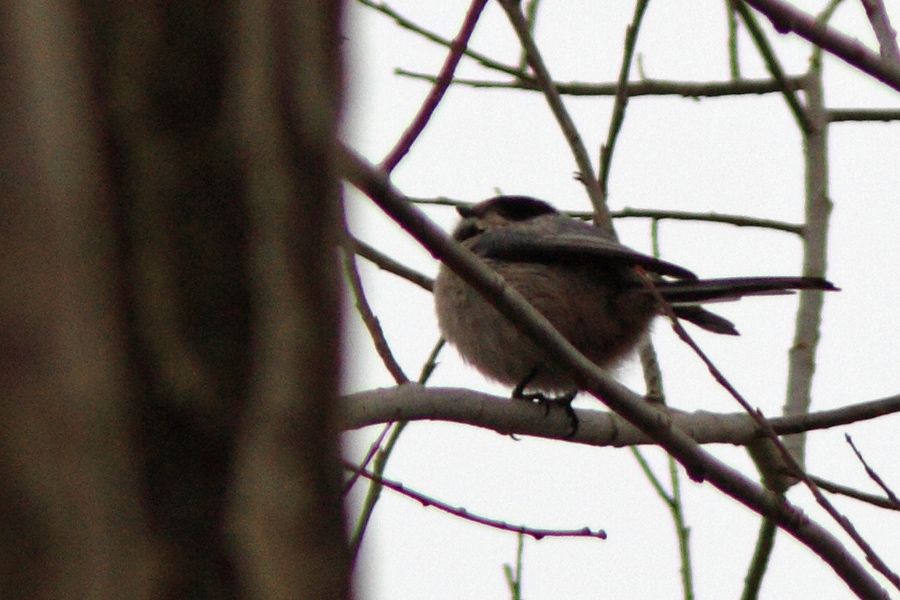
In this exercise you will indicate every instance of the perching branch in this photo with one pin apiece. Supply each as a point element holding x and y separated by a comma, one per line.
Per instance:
<point>413,402</point>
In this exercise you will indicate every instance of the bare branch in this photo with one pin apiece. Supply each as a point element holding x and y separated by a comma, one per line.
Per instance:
<point>370,454</point>
<point>817,212</point>
<point>644,87</point>
<point>382,457</point>
<point>566,124</point>
<point>774,480</point>
<point>676,215</point>
<point>621,101</point>
<point>734,64</point>
<point>371,321</point>
<point>837,115</point>
<point>843,490</point>
<point>437,92</point>
<point>884,33</point>
<point>762,552</point>
<point>531,10</point>
<point>873,475</point>
<point>413,402</point>
<point>772,64</point>
<point>786,18</point>
<point>389,264</point>
<point>462,513</point>
<point>656,215</point>
<point>405,23</point>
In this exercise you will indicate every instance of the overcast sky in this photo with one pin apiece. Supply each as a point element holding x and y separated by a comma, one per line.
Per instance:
<point>731,155</point>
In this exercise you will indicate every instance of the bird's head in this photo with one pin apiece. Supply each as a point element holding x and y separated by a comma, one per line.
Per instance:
<point>498,212</point>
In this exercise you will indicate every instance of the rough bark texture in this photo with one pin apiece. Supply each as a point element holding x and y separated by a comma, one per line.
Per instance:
<point>168,306</point>
<point>287,499</point>
<point>70,505</point>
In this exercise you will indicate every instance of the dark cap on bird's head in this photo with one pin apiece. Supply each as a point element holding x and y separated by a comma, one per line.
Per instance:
<point>513,208</point>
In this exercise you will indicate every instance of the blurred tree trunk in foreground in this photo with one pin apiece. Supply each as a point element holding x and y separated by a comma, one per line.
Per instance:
<point>168,316</point>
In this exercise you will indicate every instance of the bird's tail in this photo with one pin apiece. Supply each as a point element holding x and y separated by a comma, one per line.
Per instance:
<point>686,296</point>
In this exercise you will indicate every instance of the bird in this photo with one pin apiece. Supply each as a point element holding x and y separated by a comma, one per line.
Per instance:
<point>587,284</point>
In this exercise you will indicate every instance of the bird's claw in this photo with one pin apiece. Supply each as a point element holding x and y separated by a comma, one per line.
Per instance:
<point>564,401</point>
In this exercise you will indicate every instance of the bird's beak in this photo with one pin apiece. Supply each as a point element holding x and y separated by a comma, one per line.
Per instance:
<point>465,211</point>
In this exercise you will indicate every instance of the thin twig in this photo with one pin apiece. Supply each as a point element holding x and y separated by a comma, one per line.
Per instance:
<point>838,115</point>
<point>596,428</point>
<point>884,32</point>
<point>654,481</point>
<point>431,362</point>
<point>653,380</point>
<point>445,76</point>
<point>635,89</point>
<point>383,261</point>
<point>370,454</point>
<point>374,492</point>
<point>825,15</point>
<point>405,23</point>
<point>736,220</point>
<point>682,532</point>
<point>734,65</point>
<point>381,459</point>
<point>566,124</point>
<point>674,505</point>
<point>843,490</point>
<point>786,18</point>
<point>621,101</point>
<point>531,9</point>
<point>659,215</point>
<point>370,320</point>
<point>768,55</point>
<point>462,513</point>
<point>653,383</point>
<point>514,577</point>
<point>765,542</point>
<point>872,474</point>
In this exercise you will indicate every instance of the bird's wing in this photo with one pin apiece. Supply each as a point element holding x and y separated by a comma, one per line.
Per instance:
<point>577,246</point>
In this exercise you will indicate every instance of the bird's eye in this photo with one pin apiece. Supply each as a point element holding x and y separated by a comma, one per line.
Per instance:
<point>467,229</point>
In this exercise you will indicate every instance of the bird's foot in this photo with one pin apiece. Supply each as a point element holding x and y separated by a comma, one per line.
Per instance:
<point>545,401</point>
